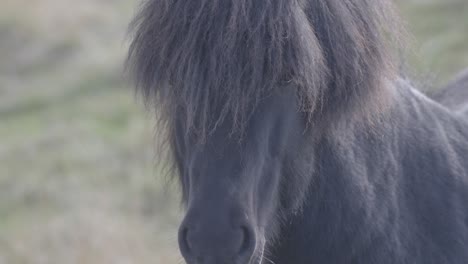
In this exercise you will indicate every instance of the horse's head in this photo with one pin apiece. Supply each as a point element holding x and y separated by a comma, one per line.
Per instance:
<point>208,67</point>
<point>234,189</point>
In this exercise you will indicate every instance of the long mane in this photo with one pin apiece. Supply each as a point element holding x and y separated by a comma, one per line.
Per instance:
<point>205,61</point>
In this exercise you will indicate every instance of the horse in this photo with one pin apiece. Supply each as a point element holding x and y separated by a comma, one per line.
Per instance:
<point>293,138</point>
<point>454,94</point>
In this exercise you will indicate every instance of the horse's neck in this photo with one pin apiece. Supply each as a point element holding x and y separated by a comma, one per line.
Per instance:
<point>364,173</point>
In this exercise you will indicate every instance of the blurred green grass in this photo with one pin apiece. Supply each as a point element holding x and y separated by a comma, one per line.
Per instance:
<point>77,179</point>
<point>438,36</point>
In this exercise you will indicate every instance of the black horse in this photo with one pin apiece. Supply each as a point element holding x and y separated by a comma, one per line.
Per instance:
<point>294,140</point>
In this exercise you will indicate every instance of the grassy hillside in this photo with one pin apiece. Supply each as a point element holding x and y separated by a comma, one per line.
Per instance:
<point>77,180</point>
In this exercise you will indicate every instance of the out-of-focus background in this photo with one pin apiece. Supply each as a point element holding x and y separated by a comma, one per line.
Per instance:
<point>77,179</point>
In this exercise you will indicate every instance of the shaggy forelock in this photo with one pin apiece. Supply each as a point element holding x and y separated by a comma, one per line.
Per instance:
<point>211,60</point>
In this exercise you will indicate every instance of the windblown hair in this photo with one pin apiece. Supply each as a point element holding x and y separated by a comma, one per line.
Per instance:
<point>211,60</point>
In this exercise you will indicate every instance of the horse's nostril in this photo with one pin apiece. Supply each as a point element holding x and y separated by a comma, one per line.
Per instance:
<point>202,241</point>
<point>184,244</point>
<point>248,241</point>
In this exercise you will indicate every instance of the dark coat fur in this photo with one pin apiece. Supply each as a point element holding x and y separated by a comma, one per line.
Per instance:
<point>455,93</point>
